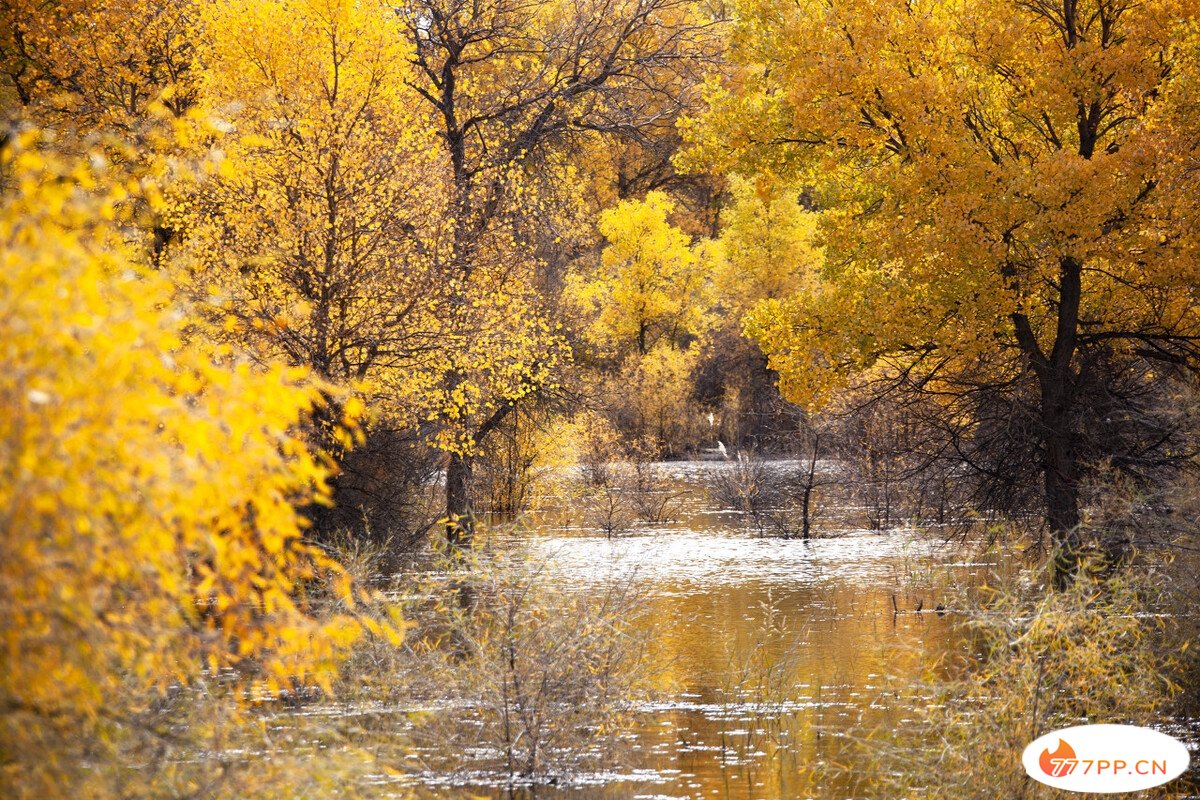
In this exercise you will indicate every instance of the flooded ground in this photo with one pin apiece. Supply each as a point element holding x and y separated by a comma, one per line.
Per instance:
<point>769,649</point>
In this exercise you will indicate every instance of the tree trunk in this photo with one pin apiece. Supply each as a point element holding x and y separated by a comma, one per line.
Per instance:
<point>460,518</point>
<point>460,515</point>
<point>806,524</point>
<point>1060,475</point>
<point>1056,384</point>
<point>326,418</point>
<point>810,482</point>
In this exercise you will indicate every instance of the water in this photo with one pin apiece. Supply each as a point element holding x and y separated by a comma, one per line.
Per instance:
<point>770,649</point>
<point>767,652</point>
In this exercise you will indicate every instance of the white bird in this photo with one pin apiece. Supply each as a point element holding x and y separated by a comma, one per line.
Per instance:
<point>712,421</point>
<point>721,449</point>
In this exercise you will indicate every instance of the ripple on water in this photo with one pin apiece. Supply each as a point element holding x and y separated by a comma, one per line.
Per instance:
<point>834,644</point>
<point>688,560</point>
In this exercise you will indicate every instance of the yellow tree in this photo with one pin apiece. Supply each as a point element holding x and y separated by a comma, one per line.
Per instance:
<point>766,250</point>
<point>149,482</point>
<point>518,87</point>
<point>644,306</point>
<point>93,66</point>
<point>649,287</point>
<point>1006,228</point>
<point>330,235</point>
<point>317,239</point>
<point>88,69</point>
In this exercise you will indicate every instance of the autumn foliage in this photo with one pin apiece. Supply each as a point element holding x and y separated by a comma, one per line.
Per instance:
<point>1007,229</point>
<point>151,480</point>
<point>954,247</point>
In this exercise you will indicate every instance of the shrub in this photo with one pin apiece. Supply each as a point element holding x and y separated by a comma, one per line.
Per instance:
<point>149,482</point>
<point>528,673</point>
<point>1038,662</point>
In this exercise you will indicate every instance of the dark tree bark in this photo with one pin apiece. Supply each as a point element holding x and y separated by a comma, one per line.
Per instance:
<point>460,515</point>
<point>460,519</point>
<point>810,483</point>
<point>1059,440</point>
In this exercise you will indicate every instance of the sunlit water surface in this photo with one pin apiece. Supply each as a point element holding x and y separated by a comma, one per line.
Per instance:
<point>848,619</point>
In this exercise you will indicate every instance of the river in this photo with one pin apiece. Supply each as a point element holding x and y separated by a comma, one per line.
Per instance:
<point>771,649</point>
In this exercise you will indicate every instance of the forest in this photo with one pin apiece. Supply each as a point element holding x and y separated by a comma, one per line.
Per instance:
<point>594,399</point>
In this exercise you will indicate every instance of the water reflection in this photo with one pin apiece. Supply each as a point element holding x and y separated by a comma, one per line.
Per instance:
<point>769,649</point>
